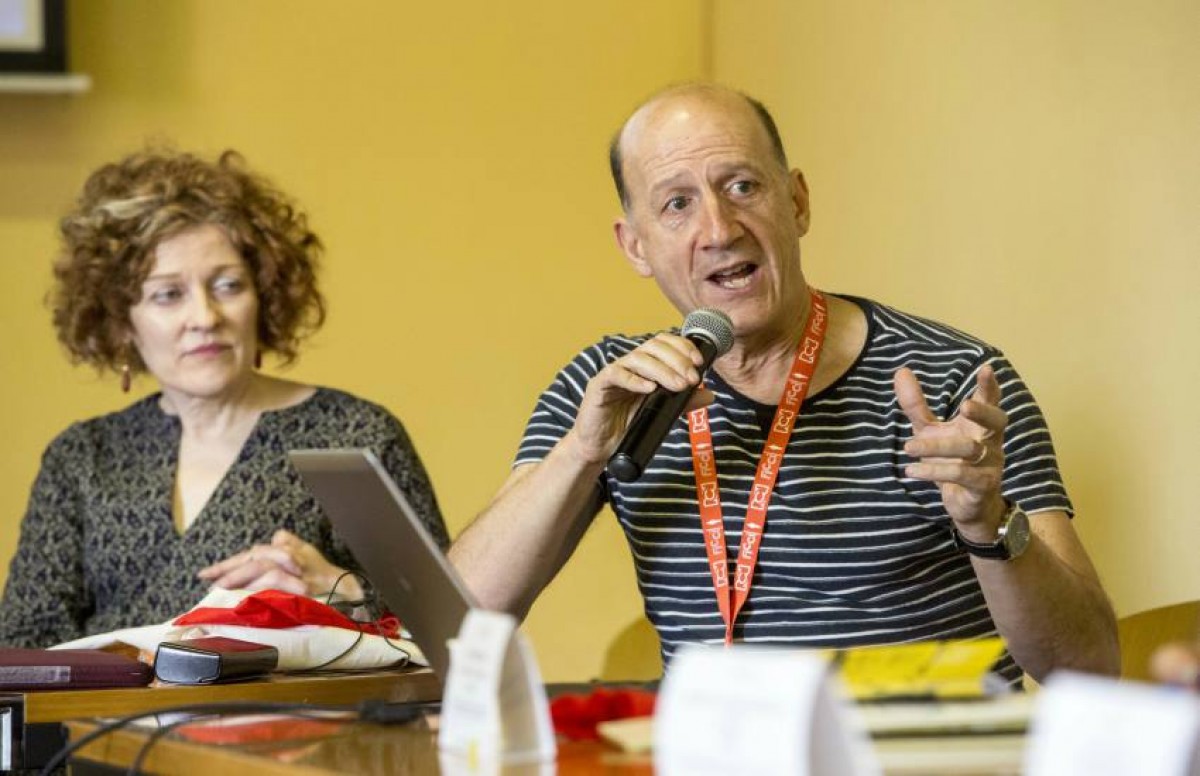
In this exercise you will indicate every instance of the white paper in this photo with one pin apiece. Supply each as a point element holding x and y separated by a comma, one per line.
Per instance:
<point>454,764</point>
<point>524,710</point>
<point>753,710</point>
<point>6,739</point>
<point>1089,726</point>
<point>494,706</point>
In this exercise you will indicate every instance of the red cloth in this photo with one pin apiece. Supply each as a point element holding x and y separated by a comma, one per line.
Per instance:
<point>277,609</point>
<point>576,716</point>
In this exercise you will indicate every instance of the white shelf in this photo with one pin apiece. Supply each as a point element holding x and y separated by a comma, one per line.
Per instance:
<point>66,83</point>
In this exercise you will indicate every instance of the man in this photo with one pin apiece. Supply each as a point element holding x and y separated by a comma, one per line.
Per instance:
<point>899,497</point>
<point>1177,663</point>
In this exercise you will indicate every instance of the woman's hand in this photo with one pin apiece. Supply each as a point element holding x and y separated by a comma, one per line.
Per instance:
<point>288,563</point>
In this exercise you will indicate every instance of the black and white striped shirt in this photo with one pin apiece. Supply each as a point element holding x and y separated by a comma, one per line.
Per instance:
<point>854,553</point>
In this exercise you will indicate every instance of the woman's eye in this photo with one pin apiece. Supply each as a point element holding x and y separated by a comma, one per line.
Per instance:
<point>165,295</point>
<point>229,286</point>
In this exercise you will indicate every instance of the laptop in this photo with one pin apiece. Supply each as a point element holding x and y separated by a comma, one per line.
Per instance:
<point>406,567</point>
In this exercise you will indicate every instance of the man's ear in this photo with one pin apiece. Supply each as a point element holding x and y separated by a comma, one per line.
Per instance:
<point>631,246</point>
<point>800,200</point>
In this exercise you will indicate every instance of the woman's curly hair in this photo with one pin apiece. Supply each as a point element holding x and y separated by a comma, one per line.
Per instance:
<point>127,208</point>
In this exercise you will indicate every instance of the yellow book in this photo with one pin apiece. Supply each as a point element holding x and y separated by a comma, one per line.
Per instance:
<point>935,669</point>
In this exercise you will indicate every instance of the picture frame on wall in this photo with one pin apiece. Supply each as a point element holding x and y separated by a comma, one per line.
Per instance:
<point>33,36</point>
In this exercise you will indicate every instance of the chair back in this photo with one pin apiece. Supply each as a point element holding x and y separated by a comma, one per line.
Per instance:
<point>1144,632</point>
<point>633,656</point>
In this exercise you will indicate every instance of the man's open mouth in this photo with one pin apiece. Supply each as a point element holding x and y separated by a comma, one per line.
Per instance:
<point>735,277</point>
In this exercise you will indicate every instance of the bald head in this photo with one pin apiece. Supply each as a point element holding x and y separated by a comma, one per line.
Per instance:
<point>662,102</point>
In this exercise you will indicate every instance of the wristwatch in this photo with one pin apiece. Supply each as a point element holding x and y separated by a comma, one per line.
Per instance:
<point>1011,540</point>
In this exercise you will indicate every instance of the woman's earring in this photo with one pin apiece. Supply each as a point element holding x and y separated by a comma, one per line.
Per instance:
<point>126,378</point>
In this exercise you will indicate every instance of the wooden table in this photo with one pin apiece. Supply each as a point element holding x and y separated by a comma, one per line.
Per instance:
<point>355,747</point>
<point>349,746</point>
<point>359,748</point>
<point>37,730</point>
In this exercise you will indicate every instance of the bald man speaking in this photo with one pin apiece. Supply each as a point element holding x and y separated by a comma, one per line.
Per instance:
<point>847,474</point>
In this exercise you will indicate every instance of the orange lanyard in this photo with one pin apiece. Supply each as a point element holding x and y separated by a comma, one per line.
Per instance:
<point>704,465</point>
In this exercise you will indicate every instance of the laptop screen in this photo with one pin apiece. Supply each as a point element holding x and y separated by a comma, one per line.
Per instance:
<point>396,552</point>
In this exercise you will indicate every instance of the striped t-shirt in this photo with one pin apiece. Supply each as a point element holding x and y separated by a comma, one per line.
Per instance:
<point>854,553</point>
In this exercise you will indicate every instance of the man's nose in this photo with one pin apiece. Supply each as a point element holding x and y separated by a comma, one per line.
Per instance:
<point>720,226</point>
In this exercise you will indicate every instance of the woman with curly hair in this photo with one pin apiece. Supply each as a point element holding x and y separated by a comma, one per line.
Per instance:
<point>189,271</point>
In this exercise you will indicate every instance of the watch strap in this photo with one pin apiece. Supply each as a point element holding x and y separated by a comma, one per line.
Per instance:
<point>997,550</point>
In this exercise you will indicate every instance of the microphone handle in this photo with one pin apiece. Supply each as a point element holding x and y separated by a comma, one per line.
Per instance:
<point>652,422</point>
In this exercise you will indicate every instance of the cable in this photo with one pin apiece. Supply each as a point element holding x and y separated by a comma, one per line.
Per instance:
<point>135,767</point>
<point>230,707</point>
<point>374,614</point>
<point>357,640</point>
<point>393,712</point>
<point>363,582</point>
<point>371,603</point>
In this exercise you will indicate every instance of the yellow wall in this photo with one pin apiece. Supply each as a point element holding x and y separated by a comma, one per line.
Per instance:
<point>1027,170</point>
<point>452,156</point>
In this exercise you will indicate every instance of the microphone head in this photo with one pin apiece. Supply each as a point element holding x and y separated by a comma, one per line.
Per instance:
<point>711,324</point>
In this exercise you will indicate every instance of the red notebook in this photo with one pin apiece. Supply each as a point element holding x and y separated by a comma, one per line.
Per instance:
<point>69,669</point>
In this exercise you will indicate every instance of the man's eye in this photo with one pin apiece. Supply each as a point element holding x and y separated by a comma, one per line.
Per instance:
<point>676,204</point>
<point>743,187</point>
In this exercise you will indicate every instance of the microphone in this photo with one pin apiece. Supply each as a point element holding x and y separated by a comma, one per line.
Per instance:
<point>712,332</point>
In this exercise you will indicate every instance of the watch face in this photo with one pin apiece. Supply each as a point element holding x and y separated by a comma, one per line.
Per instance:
<point>1016,533</point>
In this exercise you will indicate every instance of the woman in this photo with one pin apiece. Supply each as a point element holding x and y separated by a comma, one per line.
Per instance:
<point>190,271</point>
